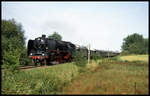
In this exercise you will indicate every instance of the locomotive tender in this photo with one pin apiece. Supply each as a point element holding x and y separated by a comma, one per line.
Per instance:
<point>45,50</point>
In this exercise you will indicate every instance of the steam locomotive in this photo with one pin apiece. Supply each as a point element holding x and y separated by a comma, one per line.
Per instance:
<point>45,50</point>
<point>48,51</point>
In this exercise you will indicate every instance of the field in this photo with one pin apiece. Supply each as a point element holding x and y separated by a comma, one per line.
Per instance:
<point>135,58</point>
<point>117,75</point>
<point>112,77</point>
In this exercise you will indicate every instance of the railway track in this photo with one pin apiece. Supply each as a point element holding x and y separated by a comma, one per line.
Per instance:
<point>27,67</point>
<point>41,66</point>
<point>22,68</point>
<point>31,67</point>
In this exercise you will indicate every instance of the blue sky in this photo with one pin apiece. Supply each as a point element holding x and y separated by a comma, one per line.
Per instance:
<point>103,25</point>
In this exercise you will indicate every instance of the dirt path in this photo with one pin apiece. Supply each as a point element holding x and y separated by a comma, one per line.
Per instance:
<point>33,67</point>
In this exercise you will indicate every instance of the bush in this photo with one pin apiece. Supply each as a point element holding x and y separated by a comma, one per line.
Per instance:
<point>96,57</point>
<point>11,60</point>
<point>24,59</point>
<point>80,58</point>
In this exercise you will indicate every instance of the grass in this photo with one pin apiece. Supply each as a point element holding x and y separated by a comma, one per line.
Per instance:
<point>135,58</point>
<point>111,77</point>
<point>106,76</point>
<point>48,80</point>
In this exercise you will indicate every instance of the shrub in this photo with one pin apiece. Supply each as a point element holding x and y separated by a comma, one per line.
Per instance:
<point>24,59</point>
<point>96,56</point>
<point>11,60</point>
<point>80,59</point>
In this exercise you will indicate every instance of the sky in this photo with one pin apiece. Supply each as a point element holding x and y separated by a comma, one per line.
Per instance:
<point>103,25</point>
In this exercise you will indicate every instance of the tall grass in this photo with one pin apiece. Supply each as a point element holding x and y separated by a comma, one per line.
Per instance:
<point>111,76</point>
<point>49,80</point>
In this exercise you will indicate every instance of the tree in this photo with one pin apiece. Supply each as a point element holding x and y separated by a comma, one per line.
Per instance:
<point>13,43</point>
<point>134,44</point>
<point>55,36</point>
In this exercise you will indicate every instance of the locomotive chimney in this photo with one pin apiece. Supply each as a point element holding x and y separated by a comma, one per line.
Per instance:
<point>43,36</point>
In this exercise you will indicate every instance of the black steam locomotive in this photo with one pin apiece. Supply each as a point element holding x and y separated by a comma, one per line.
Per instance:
<point>45,51</point>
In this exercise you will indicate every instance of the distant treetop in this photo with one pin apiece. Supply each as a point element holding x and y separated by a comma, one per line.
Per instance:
<point>55,36</point>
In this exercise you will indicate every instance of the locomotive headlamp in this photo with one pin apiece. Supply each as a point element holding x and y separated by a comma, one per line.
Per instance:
<point>30,53</point>
<point>43,54</point>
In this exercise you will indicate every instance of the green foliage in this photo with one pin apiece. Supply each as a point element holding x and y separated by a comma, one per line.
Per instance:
<point>13,43</point>
<point>12,33</point>
<point>11,60</point>
<point>24,59</point>
<point>135,44</point>
<point>96,57</point>
<point>80,58</point>
<point>55,36</point>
